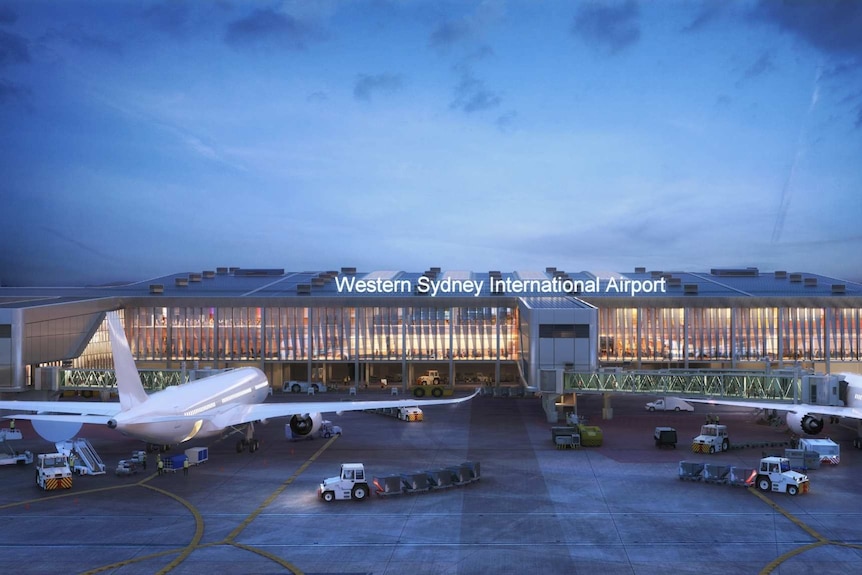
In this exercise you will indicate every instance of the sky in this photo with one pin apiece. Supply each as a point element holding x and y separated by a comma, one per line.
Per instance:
<point>142,138</point>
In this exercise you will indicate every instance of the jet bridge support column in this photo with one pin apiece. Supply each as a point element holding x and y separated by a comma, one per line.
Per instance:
<point>607,410</point>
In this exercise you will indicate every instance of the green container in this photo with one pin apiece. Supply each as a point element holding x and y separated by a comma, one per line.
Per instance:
<point>591,435</point>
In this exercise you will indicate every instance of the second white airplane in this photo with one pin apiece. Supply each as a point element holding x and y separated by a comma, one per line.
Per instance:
<point>202,408</point>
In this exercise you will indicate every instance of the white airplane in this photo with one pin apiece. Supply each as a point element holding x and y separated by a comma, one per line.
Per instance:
<point>808,418</point>
<point>202,408</point>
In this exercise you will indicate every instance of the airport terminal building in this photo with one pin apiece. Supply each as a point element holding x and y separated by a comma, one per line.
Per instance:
<point>488,327</point>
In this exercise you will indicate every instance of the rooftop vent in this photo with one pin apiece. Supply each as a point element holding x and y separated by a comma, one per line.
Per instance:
<point>182,282</point>
<point>208,274</point>
<point>303,289</point>
<point>690,289</point>
<point>839,288</point>
<point>221,271</point>
<point>810,282</point>
<point>796,278</point>
<point>656,274</point>
<point>781,275</point>
<point>257,272</point>
<point>550,270</point>
<point>348,270</point>
<point>157,288</point>
<point>735,272</point>
<point>674,282</point>
<point>194,277</point>
<point>318,282</point>
<point>640,270</point>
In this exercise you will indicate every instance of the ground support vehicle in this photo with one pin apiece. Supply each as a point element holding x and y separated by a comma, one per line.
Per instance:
<point>669,404</point>
<point>126,467</point>
<point>430,377</point>
<point>665,436</point>
<point>351,483</point>
<point>327,429</point>
<point>53,472</point>
<point>197,455</point>
<point>775,474</point>
<point>830,452</point>
<point>565,437</point>
<point>410,414</point>
<point>712,438</point>
<point>139,456</point>
<point>591,435</point>
<point>435,391</point>
<point>174,463</point>
<point>303,387</point>
<point>11,456</point>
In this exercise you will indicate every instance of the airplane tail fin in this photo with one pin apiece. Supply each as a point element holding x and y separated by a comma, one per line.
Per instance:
<point>129,385</point>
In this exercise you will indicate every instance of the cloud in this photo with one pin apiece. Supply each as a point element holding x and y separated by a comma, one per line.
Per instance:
<point>710,11</point>
<point>471,95</point>
<point>79,38</point>
<point>268,28</point>
<point>469,27</point>
<point>172,18</point>
<point>607,27</point>
<point>10,91</point>
<point>832,26</point>
<point>14,49</point>
<point>7,16</point>
<point>761,66</point>
<point>366,85</point>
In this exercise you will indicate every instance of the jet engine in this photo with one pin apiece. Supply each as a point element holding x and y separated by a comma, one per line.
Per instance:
<point>306,424</point>
<point>804,424</point>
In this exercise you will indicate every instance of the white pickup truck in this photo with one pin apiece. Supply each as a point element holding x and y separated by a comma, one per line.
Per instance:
<point>669,404</point>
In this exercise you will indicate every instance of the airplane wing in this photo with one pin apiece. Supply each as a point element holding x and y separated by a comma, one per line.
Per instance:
<point>804,408</point>
<point>256,412</point>
<point>65,407</point>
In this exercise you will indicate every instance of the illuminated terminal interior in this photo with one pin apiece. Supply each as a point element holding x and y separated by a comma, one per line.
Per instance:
<point>502,327</point>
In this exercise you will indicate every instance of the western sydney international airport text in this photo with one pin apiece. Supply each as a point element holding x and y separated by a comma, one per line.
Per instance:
<point>559,286</point>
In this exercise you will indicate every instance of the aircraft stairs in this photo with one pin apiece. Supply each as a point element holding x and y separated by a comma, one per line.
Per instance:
<point>87,461</point>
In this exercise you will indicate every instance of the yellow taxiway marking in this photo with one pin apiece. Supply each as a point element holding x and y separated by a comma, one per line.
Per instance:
<point>199,522</point>
<point>820,539</point>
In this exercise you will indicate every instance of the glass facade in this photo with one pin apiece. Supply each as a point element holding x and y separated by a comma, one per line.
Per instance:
<point>333,334</point>
<point>736,334</point>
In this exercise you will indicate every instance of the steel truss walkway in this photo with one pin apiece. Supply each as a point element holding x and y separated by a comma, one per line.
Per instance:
<point>782,385</point>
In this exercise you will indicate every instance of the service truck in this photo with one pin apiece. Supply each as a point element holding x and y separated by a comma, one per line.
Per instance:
<point>669,404</point>
<point>775,474</point>
<point>351,483</point>
<point>53,472</point>
<point>303,386</point>
<point>712,438</point>
<point>431,377</point>
<point>830,452</point>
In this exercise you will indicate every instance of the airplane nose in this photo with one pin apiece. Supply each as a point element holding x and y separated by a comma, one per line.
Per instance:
<point>112,423</point>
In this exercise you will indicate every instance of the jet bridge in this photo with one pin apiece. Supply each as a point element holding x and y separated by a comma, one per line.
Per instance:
<point>783,386</point>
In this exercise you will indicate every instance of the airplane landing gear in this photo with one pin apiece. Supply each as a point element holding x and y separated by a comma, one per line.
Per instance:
<point>252,444</point>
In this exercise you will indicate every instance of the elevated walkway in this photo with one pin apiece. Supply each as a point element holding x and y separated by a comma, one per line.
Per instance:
<point>782,386</point>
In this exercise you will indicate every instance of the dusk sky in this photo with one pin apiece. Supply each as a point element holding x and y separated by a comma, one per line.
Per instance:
<point>140,138</point>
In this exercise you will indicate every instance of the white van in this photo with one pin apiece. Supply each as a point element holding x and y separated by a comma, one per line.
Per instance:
<point>669,404</point>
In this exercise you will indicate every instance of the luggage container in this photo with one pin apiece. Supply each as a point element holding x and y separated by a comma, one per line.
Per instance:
<point>465,472</point>
<point>741,476</point>
<point>440,478</point>
<point>388,485</point>
<point>802,459</point>
<point>713,473</point>
<point>665,436</point>
<point>691,470</point>
<point>414,482</point>
<point>197,455</point>
<point>174,462</point>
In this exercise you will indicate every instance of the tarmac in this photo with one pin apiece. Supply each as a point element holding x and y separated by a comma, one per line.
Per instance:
<point>615,509</point>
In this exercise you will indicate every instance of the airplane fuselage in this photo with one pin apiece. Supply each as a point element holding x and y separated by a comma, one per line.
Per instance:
<point>177,414</point>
